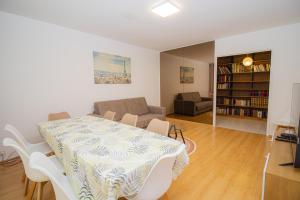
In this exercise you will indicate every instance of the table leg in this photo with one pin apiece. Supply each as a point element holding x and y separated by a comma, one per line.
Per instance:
<point>182,136</point>
<point>175,131</point>
<point>170,130</point>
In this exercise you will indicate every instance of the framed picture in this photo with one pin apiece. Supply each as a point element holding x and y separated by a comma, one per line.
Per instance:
<point>111,69</point>
<point>186,74</point>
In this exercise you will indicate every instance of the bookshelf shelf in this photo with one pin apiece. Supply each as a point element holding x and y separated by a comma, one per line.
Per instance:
<point>254,107</point>
<point>242,96</point>
<point>243,73</point>
<point>243,117</point>
<point>255,61</point>
<point>266,81</point>
<point>242,89</point>
<point>239,85</point>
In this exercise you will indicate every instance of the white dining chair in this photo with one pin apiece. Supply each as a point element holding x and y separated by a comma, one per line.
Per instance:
<point>60,183</point>
<point>42,147</point>
<point>159,126</point>
<point>160,177</point>
<point>109,115</point>
<point>129,119</point>
<point>33,175</point>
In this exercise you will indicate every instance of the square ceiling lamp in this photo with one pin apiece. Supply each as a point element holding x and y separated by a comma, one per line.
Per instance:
<point>165,9</point>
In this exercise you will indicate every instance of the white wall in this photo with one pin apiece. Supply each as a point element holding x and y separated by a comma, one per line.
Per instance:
<point>46,68</point>
<point>284,42</point>
<point>170,78</point>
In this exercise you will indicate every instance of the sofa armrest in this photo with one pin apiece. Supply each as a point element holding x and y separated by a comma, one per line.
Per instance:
<point>184,107</point>
<point>206,99</point>
<point>157,110</point>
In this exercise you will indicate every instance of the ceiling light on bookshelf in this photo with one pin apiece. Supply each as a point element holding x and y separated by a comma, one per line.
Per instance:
<point>247,61</point>
<point>165,9</point>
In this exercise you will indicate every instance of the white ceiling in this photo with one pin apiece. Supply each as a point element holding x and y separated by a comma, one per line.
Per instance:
<point>202,52</point>
<point>133,22</point>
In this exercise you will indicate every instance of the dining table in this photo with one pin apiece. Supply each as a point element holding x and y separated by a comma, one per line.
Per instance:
<point>105,159</point>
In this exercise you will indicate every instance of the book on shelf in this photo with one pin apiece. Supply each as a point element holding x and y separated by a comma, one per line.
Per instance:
<point>239,68</point>
<point>241,102</point>
<point>223,111</point>
<point>263,93</point>
<point>243,112</point>
<point>224,101</point>
<point>259,113</point>
<point>224,78</point>
<point>259,102</point>
<point>261,68</point>
<point>224,85</point>
<point>223,70</point>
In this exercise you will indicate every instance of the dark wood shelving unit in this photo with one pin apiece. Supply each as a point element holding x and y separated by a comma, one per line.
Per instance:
<point>243,91</point>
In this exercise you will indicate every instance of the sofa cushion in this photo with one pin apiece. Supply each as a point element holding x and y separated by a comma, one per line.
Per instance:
<point>144,120</point>
<point>118,106</point>
<point>137,106</point>
<point>189,96</point>
<point>203,105</point>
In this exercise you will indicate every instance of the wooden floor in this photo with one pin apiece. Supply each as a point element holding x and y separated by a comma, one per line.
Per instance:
<point>206,118</point>
<point>227,164</point>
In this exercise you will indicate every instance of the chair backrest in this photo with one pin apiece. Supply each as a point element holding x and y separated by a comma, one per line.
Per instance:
<point>109,115</point>
<point>32,174</point>
<point>61,184</point>
<point>57,116</point>
<point>160,177</point>
<point>129,119</point>
<point>159,126</point>
<point>19,137</point>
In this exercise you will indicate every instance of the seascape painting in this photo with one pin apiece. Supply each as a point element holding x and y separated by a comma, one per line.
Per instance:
<point>111,69</point>
<point>186,74</point>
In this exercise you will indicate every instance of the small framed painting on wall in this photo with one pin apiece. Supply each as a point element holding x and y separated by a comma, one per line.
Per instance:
<point>111,69</point>
<point>186,74</point>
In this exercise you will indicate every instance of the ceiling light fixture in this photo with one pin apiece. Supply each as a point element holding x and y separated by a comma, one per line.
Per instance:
<point>165,9</point>
<point>247,61</point>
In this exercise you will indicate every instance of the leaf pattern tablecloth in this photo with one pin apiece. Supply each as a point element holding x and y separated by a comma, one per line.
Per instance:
<point>104,159</point>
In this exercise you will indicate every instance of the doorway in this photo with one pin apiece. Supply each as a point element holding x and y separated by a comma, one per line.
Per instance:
<point>187,78</point>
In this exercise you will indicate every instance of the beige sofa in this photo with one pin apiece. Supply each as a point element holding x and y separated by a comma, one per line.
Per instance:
<point>137,106</point>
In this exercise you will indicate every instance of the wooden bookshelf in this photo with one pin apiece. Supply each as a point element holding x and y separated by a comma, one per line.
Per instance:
<point>243,91</point>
